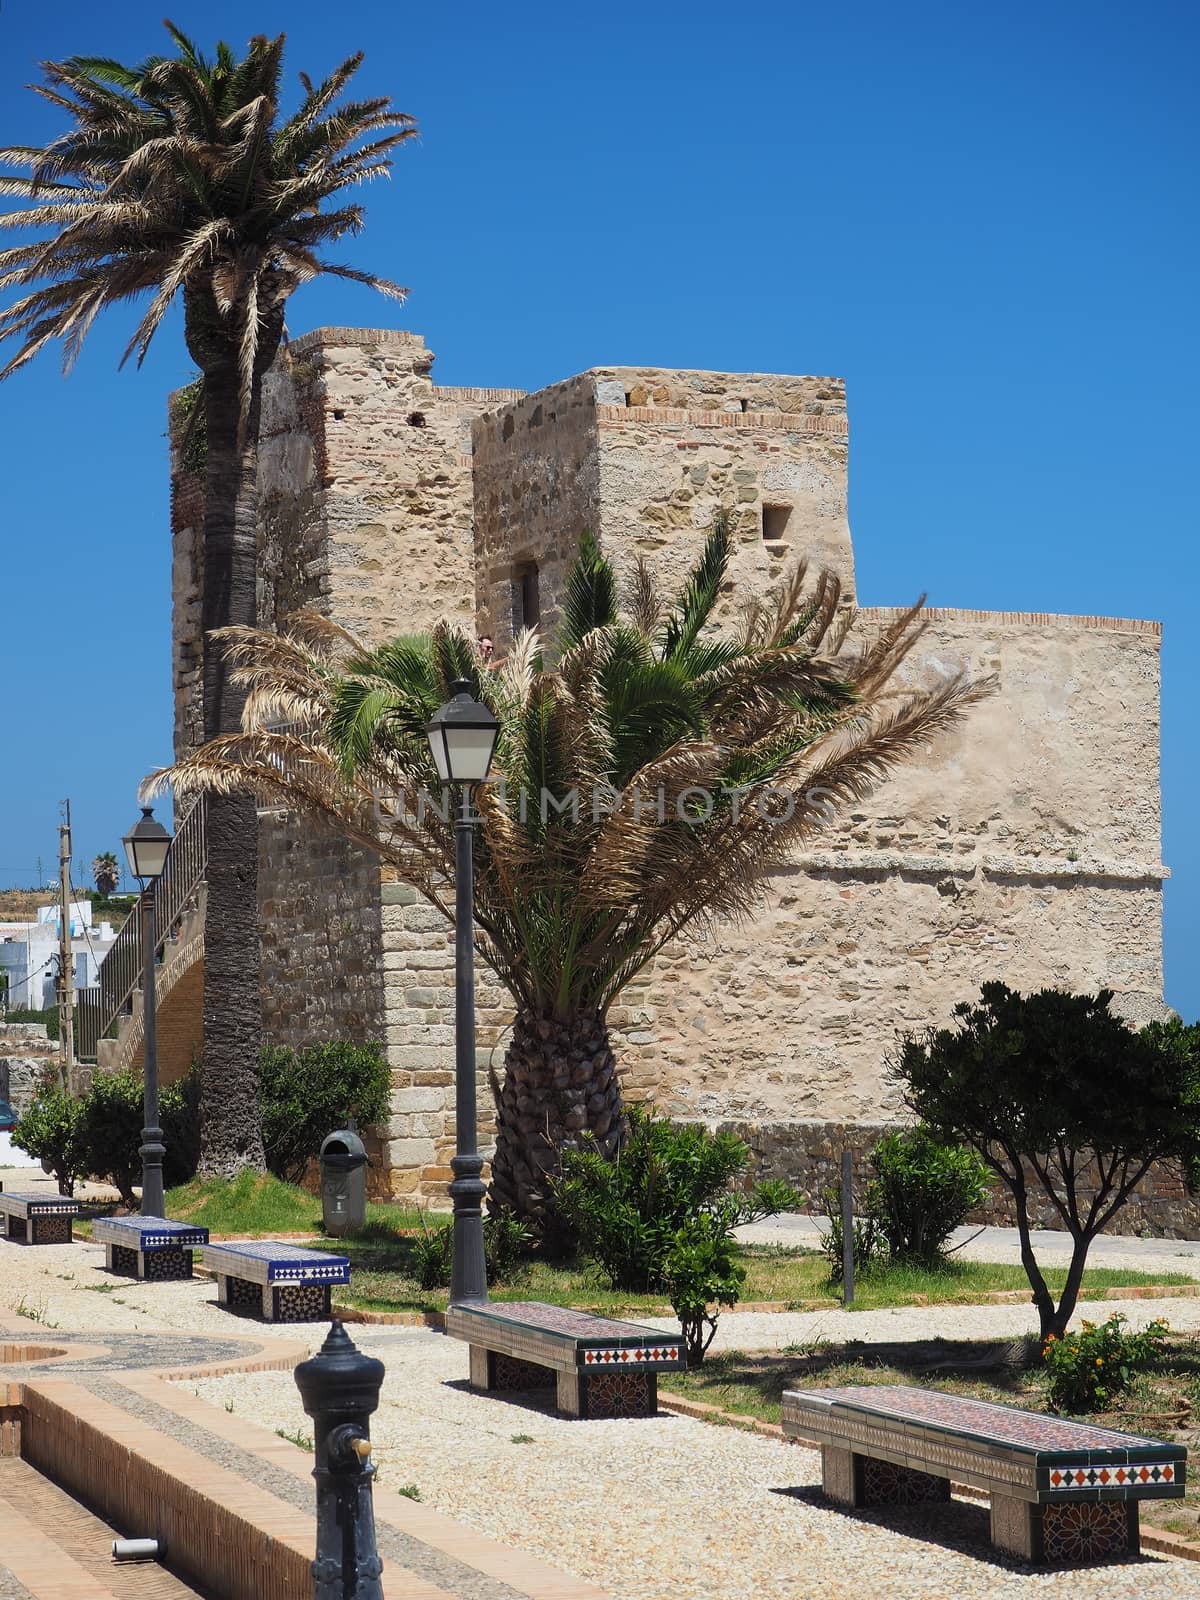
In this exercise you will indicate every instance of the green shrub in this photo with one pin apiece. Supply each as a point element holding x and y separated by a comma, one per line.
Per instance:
<point>1086,1370</point>
<point>660,1216</point>
<point>51,1131</point>
<point>922,1190</point>
<point>625,1213</point>
<point>702,1271</point>
<point>112,1131</point>
<point>433,1254</point>
<point>506,1243</point>
<point>306,1095</point>
<point>870,1244</point>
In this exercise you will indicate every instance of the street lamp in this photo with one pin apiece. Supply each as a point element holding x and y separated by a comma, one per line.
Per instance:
<point>146,845</point>
<point>462,736</point>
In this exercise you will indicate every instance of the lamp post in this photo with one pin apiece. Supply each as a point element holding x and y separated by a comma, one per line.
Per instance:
<point>146,845</point>
<point>462,736</point>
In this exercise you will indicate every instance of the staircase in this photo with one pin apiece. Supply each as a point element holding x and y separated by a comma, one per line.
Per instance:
<point>110,1015</point>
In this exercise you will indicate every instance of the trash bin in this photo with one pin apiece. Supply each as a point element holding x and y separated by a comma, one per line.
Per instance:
<point>343,1183</point>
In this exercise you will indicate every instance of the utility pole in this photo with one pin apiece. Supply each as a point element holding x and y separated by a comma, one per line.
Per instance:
<point>66,958</point>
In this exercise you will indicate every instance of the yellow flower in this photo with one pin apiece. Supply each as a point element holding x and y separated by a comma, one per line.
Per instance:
<point>1099,1361</point>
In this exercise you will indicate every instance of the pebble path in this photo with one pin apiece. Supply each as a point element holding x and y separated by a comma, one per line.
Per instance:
<point>661,1509</point>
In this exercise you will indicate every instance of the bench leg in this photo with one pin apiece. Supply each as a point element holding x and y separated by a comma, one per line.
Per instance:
<point>238,1294</point>
<point>51,1230</point>
<point>16,1229</point>
<point>165,1266</point>
<point>570,1398</point>
<point>120,1259</point>
<point>1065,1533</point>
<point>614,1394</point>
<point>296,1302</point>
<point>481,1368</point>
<point>841,1475</point>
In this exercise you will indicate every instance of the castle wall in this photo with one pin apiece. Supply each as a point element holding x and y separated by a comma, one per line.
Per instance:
<point>645,458</point>
<point>366,516</point>
<point>1024,848</point>
<point>536,493</point>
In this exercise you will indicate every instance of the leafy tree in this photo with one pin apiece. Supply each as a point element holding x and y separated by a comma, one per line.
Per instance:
<point>667,769</point>
<point>1055,1094</point>
<point>51,1131</point>
<point>181,178</point>
<point>309,1094</point>
<point>106,874</point>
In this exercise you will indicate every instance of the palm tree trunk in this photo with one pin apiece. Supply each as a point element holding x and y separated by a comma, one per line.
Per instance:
<point>560,1081</point>
<point>230,1119</point>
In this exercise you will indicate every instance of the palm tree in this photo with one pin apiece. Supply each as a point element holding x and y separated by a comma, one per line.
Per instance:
<point>105,873</point>
<point>651,781</point>
<point>180,178</point>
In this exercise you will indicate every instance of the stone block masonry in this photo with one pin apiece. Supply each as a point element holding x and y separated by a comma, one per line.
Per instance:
<point>1025,846</point>
<point>808,1155</point>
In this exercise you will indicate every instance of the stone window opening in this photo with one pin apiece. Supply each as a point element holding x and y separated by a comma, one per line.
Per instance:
<point>526,598</point>
<point>774,522</point>
<point>416,419</point>
<point>744,404</point>
<point>339,415</point>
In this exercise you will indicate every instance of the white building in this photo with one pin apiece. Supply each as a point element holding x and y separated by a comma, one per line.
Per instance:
<point>29,955</point>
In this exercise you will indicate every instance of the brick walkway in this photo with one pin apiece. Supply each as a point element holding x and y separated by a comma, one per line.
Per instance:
<point>253,1490</point>
<point>58,1547</point>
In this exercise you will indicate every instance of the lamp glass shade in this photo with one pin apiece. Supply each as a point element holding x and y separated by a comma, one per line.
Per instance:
<point>146,845</point>
<point>462,738</point>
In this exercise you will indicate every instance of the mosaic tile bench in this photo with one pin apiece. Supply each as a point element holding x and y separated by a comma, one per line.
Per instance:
<point>602,1368</point>
<point>1061,1491</point>
<point>283,1282</point>
<point>148,1247</point>
<point>38,1218</point>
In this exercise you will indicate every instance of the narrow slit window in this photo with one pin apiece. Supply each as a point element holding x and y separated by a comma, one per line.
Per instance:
<point>526,599</point>
<point>775,521</point>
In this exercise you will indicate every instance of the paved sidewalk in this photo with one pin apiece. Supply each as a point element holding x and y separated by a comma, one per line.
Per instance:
<point>1003,1245</point>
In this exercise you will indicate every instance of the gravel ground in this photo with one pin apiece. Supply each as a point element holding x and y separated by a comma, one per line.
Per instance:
<point>646,1509</point>
<point>669,1506</point>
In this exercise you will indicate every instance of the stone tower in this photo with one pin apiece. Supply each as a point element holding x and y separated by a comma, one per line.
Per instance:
<point>1026,847</point>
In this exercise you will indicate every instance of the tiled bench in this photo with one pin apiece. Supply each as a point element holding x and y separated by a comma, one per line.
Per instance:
<point>38,1218</point>
<point>282,1282</point>
<point>1061,1491</point>
<point>148,1247</point>
<point>602,1368</point>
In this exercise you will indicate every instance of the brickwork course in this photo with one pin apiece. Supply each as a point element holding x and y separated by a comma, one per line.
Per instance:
<point>1024,846</point>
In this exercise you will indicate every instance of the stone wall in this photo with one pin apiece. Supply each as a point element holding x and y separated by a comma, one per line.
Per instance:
<point>536,493</point>
<point>763,449</point>
<point>808,1155</point>
<point>645,458</point>
<point>26,1055</point>
<point>1026,846</point>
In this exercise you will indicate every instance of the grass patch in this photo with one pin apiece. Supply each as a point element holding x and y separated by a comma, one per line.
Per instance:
<point>1163,1402</point>
<point>383,1279</point>
<point>254,1203</point>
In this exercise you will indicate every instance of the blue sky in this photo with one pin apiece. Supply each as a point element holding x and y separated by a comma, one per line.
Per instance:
<point>983,216</point>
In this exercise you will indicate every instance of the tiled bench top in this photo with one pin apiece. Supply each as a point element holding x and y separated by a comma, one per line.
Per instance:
<point>1035,1456</point>
<point>555,1336</point>
<point>268,1261</point>
<point>148,1233</point>
<point>37,1204</point>
<point>1061,1492</point>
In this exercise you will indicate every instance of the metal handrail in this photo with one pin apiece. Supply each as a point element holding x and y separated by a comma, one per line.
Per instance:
<point>174,892</point>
